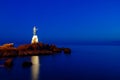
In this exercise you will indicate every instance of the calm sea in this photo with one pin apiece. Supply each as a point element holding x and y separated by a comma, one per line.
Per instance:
<point>86,62</point>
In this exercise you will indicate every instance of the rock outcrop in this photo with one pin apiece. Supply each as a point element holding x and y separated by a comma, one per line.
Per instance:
<point>8,50</point>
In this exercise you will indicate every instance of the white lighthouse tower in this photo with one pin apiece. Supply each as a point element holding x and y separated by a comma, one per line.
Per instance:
<point>35,37</point>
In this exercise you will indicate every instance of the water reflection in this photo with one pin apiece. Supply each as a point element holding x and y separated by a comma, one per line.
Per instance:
<point>35,67</point>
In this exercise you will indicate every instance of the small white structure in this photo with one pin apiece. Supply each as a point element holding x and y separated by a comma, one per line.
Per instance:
<point>35,37</point>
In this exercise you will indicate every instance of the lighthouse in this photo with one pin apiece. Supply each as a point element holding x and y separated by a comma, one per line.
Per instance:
<point>35,37</point>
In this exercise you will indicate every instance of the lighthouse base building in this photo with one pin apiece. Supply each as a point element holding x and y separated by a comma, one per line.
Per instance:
<point>34,39</point>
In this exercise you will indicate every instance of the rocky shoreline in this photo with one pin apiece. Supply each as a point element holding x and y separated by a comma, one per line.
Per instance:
<point>8,50</point>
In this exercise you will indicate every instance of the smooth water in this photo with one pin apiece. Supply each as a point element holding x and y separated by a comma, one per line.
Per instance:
<point>86,62</point>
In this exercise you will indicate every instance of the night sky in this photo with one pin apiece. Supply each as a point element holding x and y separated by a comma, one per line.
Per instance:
<point>60,20</point>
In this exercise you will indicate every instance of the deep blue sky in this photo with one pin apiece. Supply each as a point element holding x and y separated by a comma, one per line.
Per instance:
<point>60,20</point>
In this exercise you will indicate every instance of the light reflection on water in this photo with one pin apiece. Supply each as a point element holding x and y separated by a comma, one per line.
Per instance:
<point>35,67</point>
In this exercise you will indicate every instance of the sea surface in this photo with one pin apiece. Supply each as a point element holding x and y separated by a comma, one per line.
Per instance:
<point>86,62</point>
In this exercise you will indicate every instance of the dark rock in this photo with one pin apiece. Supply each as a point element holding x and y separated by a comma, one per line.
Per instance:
<point>8,52</point>
<point>56,50</point>
<point>46,47</point>
<point>52,47</point>
<point>27,64</point>
<point>66,50</point>
<point>8,63</point>
<point>8,45</point>
<point>34,46</point>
